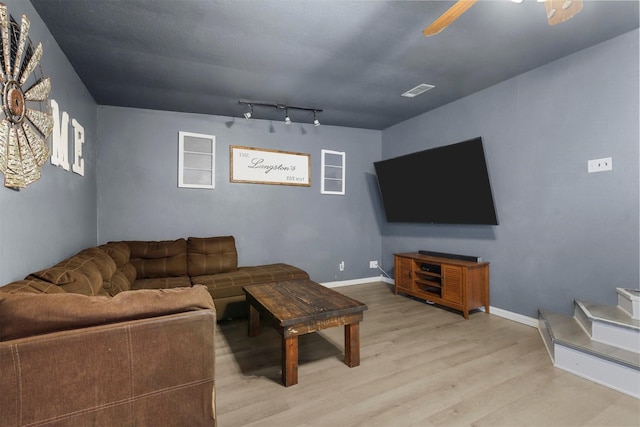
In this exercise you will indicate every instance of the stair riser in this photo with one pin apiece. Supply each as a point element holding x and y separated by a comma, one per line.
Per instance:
<point>604,372</point>
<point>630,306</point>
<point>543,328</point>
<point>608,333</point>
<point>616,336</point>
<point>620,336</point>
<point>582,318</point>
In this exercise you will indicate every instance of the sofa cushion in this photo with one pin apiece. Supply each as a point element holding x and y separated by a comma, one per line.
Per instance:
<point>27,314</point>
<point>100,260</point>
<point>230,284</point>
<point>211,255</point>
<point>114,280</point>
<point>120,253</point>
<point>129,272</point>
<point>118,283</point>
<point>162,283</point>
<point>166,258</point>
<point>32,286</point>
<point>77,274</point>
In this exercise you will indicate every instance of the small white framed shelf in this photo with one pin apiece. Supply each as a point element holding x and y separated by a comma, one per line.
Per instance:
<point>332,172</point>
<point>196,160</point>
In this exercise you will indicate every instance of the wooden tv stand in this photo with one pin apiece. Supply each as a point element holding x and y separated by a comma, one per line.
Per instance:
<point>457,284</point>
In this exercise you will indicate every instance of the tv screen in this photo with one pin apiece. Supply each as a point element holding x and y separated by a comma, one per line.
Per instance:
<point>444,185</point>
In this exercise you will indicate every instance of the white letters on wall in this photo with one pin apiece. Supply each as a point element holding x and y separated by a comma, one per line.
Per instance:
<point>60,141</point>
<point>78,141</point>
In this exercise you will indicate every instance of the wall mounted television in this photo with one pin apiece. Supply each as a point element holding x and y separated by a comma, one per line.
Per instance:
<point>443,185</point>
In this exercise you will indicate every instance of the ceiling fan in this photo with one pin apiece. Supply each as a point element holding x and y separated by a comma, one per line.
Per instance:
<point>557,11</point>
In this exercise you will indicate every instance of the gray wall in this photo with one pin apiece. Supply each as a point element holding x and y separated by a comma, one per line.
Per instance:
<point>563,233</point>
<point>138,196</point>
<point>55,216</point>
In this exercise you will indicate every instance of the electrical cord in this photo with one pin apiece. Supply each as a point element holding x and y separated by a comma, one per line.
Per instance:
<point>384,272</point>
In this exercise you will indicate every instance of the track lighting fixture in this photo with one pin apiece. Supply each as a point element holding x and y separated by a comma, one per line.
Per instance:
<point>286,108</point>
<point>249,113</point>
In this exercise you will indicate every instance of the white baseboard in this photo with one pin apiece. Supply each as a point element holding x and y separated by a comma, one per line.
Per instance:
<point>339,283</point>
<point>525,320</point>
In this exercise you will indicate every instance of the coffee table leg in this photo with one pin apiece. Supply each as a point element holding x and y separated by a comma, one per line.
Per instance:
<point>254,321</point>
<point>352,344</point>
<point>290,361</point>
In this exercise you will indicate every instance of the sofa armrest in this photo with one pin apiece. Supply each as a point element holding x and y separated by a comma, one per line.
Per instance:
<point>156,371</point>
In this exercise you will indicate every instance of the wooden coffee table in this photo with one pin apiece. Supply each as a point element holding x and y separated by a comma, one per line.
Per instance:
<point>299,307</point>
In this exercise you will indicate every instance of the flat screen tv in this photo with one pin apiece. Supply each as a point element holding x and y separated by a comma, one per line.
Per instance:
<point>443,185</point>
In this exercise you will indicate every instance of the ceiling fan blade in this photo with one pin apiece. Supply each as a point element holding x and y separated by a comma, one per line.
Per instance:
<point>448,17</point>
<point>559,11</point>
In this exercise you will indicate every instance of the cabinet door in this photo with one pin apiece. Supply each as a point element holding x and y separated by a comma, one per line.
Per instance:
<point>452,283</point>
<point>403,273</point>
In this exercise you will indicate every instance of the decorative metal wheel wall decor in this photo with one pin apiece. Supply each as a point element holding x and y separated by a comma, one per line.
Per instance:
<point>27,122</point>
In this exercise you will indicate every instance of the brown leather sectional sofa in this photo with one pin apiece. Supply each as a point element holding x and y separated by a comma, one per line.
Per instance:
<point>122,333</point>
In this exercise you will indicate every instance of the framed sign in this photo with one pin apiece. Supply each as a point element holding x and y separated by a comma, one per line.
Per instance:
<point>260,166</point>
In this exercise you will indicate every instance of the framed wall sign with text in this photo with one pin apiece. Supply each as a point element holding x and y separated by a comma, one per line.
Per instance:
<point>261,166</point>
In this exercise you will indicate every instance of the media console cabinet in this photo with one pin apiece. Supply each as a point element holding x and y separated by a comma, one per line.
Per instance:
<point>457,284</point>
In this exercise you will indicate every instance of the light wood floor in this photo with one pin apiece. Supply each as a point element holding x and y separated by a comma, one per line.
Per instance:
<point>420,366</point>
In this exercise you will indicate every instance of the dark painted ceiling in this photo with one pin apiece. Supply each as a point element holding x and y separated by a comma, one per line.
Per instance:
<point>352,59</point>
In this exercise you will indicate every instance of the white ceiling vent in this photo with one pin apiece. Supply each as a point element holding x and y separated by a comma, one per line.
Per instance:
<point>421,88</point>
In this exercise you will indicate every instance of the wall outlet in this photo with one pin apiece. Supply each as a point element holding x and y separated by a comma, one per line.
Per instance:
<point>600,165</point>
<point>341,265</point>
<point>373,264</point>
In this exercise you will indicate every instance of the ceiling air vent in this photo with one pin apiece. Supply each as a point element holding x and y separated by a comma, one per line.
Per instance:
<point>421,88</point>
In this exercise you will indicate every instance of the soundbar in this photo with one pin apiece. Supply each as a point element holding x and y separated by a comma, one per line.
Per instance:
<point>452,256</point>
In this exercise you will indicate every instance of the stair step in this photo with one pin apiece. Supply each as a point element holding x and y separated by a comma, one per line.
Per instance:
<point>572,350</point>
<point>609,325</point>
<point>567,331</point>
<point>614,315</point>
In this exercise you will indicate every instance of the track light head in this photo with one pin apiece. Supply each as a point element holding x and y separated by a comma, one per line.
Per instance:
<point>316,122</point>
<point>249,113</point>
<point>287,119</point>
